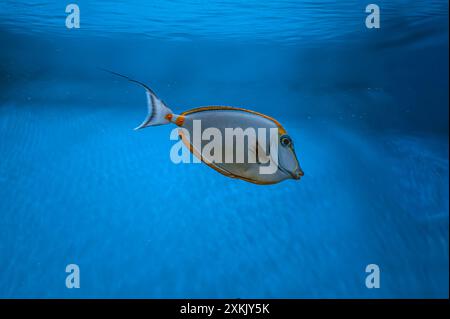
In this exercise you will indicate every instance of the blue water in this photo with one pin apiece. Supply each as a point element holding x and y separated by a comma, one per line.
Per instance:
<point>367,109</point>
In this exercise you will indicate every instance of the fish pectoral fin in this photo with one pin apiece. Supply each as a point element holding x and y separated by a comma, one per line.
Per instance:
<point>259,152</point>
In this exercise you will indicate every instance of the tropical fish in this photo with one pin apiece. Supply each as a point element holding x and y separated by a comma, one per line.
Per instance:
<point>270,147</point>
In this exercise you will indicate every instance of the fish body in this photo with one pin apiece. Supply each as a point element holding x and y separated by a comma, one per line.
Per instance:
<point>236,142</point>
<point>226,117</point>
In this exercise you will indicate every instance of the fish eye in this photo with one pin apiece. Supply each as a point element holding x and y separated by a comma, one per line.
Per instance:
<point>285,140</point>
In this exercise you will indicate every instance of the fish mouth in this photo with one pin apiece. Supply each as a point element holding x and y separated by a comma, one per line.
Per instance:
<point>295,175</point>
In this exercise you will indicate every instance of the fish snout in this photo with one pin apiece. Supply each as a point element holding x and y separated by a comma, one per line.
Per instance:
<point>298,173</point>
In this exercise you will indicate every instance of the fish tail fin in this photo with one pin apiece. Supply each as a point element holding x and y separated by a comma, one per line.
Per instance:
<point>158,113</point>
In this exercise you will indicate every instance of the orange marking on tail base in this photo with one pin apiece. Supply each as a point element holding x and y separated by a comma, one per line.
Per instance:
<point>180,120</point>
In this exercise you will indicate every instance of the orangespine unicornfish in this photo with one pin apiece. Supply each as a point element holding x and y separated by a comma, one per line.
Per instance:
<point>236,142</point>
